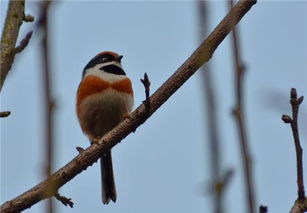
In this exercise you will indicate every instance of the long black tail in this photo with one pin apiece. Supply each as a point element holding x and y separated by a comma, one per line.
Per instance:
<point>108,189</point>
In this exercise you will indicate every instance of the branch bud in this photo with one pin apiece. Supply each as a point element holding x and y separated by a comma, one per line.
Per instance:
<point>286,118</point>
<point>300,100</point>
<point>293,93</point>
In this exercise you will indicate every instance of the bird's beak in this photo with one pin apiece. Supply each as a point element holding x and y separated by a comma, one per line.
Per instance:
<point>119,58</point>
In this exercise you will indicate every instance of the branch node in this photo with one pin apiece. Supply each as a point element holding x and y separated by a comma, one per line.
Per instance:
<point>300,100</point>
<point>299,206</point>
<point>64,200</point>
<point>293,93</point>
<point>24,42</point>
<point>28,18</point>
<point>241,69</point>
<point>79,149</point>
<point>4,114</point>
<point>224,182</point>
<point>236,112</point>
<point>287,119</point>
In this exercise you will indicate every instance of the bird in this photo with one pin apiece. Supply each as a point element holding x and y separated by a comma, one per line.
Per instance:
<point>104,99</point>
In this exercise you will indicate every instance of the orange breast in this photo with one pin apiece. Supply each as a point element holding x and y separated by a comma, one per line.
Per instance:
<point>92,84</point>
<point>123,86</point>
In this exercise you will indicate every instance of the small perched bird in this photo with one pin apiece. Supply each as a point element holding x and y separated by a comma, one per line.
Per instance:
<point>104,98</point>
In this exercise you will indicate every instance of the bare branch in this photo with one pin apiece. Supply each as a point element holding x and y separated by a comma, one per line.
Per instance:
<point>238,113</point>
<point>14,17</point>
<point>136,118</point>
<point>210,94</point>
<point>300,204</point>
<point>48,103</point>
<point>295,102</point>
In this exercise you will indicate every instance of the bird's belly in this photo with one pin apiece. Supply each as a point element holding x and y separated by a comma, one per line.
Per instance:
<point>99,113</point>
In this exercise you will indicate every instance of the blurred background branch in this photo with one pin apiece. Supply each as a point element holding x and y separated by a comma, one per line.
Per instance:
<point>48,102</point>
<point>90,155</point>
<point>211,119</point>
<point>239,114</point>
<point>14,18</point>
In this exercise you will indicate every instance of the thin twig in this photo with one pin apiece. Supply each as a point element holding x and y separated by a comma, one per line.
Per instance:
<point>238,112</point>
<point>24,42</point>
<point>137,117</point>
<point>295,103</point>
<point>4,114</point>
<point>79,149</point>
<point>14,18</point>
<point>146,84</point>
<point>66,201</point>
<point>213,142</point>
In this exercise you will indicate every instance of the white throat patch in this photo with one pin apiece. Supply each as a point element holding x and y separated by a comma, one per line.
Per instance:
<point>110,77</point>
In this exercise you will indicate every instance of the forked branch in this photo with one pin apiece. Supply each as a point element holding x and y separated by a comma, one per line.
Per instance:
<point>301,203</point>
<point>14,18</point>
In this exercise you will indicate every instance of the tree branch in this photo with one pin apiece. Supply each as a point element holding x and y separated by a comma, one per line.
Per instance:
<point>301,202</point>
<point>48,104</point>
<point>136,118</point>
<point>209,93</point>
<point>14,17</point>
<point>239,115</point>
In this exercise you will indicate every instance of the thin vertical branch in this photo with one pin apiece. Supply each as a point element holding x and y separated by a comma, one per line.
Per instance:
<point>212,123</point>
<point>145,81</point>
<point>295,102</point>
<point>239,115</point>
<point>300,204</point>
<point>49,105</point>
